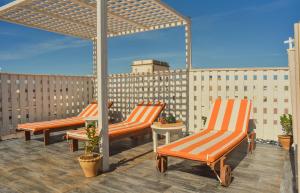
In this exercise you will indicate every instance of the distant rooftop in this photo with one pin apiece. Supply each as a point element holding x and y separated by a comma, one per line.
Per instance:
<point>150,62</point>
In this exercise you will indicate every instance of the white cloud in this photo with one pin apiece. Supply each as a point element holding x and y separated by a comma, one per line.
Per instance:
<point>31,50</point>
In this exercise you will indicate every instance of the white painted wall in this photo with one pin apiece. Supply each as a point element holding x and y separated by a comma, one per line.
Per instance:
<point>126,90</point>
<point>29,98</point>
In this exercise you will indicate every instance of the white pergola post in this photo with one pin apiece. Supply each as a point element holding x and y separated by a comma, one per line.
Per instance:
<point>297,93</point>
<point>188,45</point>
<point>102,80</point>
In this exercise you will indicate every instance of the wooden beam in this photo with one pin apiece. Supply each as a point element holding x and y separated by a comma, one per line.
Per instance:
<point>110,14</point>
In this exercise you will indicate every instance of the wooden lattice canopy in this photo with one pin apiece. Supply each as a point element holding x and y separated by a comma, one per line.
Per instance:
<point>78,17</point>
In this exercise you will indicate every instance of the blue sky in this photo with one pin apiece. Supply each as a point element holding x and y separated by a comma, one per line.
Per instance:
<point>226,33</point>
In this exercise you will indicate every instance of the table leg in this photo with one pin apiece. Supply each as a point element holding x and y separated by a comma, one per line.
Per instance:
<point>154,136</point>
<point>168,137</point>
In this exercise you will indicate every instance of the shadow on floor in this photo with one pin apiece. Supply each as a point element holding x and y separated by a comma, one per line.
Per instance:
<point>193,167</point>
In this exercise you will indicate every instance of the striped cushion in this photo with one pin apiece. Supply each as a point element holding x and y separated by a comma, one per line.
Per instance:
<point>90,110</point>
<point>226,127</point>
<point>140,118</point>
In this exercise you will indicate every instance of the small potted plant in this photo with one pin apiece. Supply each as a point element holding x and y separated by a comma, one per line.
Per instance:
<point>170,120</point>
<point>286,139</point>
<point>90,162</point>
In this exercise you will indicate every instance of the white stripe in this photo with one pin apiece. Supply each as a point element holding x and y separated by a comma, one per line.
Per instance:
<point>227,144</point>
<point>138,113</point>
<point>211,143</point>
<point>246,121</point>
<point>238,136</point>
<point>192,142</point>
<point>220,116</point>
<point>234,115</point>
<point>209,116</point>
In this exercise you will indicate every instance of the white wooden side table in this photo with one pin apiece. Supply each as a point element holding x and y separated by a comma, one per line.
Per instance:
<point>166,131</point>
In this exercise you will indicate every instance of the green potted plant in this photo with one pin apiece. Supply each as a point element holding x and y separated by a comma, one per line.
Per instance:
<point>90,162</point>
<point>286,139</point>
<point>170,120</point>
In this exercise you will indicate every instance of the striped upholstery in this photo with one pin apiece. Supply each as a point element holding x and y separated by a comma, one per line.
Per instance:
<point>90,110</point>
<point>142,116</point>
<point>227,126</point>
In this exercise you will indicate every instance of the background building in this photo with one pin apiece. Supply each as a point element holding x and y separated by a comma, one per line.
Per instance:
<point>149,66</point>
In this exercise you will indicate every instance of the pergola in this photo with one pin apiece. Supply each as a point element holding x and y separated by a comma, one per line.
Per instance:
<point>97,20</point>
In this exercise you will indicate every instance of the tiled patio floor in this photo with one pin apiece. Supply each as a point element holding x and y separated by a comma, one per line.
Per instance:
<point>30,167</point>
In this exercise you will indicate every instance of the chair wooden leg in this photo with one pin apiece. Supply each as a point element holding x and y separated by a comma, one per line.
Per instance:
<point>74,145</point>
<point>27,135</point>
<point>161,163</point>
<point>225,173</point>
<point>46,137</point>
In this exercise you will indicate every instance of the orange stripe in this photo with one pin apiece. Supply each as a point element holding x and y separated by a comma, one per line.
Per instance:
<point>210,127</point>
<point>84,110</point>
<point>239,127</point>
<point>139,117</point>
<point>135,110</point>
<point>227,115</point>
<point>225,123</point>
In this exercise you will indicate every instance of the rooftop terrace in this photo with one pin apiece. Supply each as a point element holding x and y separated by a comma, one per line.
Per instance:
<point>31,167</point>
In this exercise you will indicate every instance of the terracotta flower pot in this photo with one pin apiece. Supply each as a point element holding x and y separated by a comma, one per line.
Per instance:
<point>285,141</point>
<point>90,164</point>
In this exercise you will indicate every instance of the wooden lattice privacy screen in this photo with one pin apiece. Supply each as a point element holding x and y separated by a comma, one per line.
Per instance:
<point>171,87</point>
<point>29,98</point>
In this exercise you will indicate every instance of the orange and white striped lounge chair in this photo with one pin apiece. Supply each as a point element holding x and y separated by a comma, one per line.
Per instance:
<point>137,123</point>
<point>47,127</point>
<point>227,128</point>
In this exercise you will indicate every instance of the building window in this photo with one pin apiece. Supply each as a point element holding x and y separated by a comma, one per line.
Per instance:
<point>219,77</point>
<point>275,77</point>
<point>254,110</point>
<point>195,88</point>
<point>265,111</point>
<point>275,122</point>
<point>275,100</point>
<point>265,77</point>
<point>245,77</point>
<point>210,77</point>
<point>245,88</point>
<point>286,88</point>
<point>227,88</point>
<point>195,78</point>
<point>265,99</point>
<point>227,77</point>
<point>195,117</point>
<point>275,110</point>
<point>210,88</point>
<point>202,77</point>
<point>202,88</point>
<point>195,108</point>
<point>236,88</point>
<point>286,111</point>
<point>254,87</point>
<point>219,88</point>
<point>255,77</point>
<point>286,77</point>
<point>286,100</point>
<point>210,98</point>
<point>265,87</point>
<point>195,98</point>
<point>265,121</point>
<point>236,77</point>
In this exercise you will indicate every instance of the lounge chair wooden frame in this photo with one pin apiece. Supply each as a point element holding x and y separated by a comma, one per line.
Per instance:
<point>218,165</point>
<point>224,175</point>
